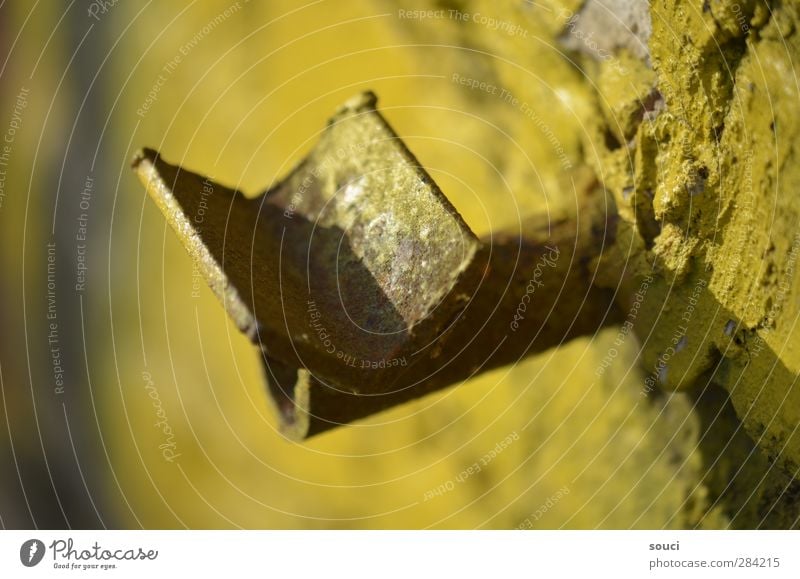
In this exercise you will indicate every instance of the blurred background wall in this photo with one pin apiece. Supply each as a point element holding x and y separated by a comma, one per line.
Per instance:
<point>131,401</point>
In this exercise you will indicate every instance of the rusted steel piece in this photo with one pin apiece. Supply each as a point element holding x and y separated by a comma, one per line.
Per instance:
<point>362,285</point>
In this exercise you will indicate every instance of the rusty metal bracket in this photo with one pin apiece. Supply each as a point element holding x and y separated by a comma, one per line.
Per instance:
<point>361,284</point>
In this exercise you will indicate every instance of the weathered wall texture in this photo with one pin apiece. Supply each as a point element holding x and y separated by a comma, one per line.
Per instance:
<point>688,117</point>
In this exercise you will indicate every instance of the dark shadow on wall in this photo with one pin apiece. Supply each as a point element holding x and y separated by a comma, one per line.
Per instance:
<point>748,489</point>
